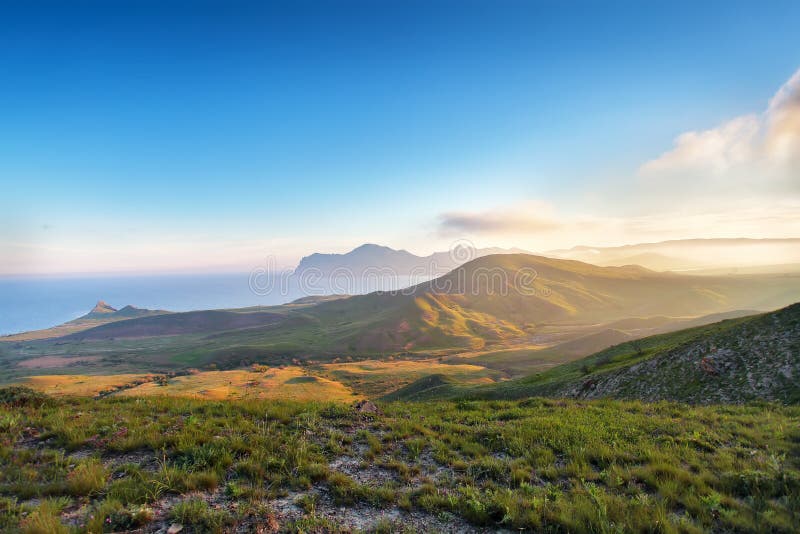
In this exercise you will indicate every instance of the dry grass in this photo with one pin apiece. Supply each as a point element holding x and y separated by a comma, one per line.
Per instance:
<point>82,385</point>
<point>287,383</point>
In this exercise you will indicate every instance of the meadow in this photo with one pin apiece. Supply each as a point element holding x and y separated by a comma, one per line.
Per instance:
<point>74,464</point>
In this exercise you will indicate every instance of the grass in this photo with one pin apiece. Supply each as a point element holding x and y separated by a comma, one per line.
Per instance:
<point>336,382</point>
<point>78,464</point>
<point>376,378</point>
<point>289,383</point>
<point>82,385</point>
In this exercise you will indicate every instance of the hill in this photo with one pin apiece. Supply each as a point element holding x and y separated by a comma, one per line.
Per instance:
<point>203,322</point>
<point>101,314</point>
<point>733,361</point>
<point>509,297</point>
<point>100,309</point>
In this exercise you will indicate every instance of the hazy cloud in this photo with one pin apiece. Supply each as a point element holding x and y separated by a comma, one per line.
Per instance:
<point>517,225</point>
<point>529,218</point>
<point>762,149</point>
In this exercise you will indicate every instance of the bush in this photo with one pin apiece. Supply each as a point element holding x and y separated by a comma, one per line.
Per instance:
<point>44,520</point>
<point>197,514</point>
<point>87,478</point>
<point>19,396</point>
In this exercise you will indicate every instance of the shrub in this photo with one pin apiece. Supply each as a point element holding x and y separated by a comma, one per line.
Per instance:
<point>344,489</point>
<point>45,520</point>
<point>87,478</point>
<point>197,514</point>
<point>20,396</point>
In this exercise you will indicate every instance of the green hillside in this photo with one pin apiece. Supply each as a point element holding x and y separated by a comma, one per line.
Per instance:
<point>733,361</point>
<point>503,297</point>
<point>499,298</point>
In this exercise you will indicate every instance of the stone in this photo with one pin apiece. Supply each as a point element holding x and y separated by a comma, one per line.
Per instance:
<point>366,406</point>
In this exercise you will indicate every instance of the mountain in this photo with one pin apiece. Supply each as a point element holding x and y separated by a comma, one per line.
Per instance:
<point>101,309</point>
<point>507,297</point>
<point>370,259</point>
<point>704,256</point>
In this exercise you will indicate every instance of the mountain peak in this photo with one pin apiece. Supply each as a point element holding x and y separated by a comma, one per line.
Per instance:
<point>102,307</point>
<point>371,246</point>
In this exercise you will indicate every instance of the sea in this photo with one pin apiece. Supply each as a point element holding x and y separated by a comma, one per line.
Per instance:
<point>32,303</point>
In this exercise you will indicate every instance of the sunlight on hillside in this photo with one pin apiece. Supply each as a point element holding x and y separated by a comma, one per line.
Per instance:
<point>289,383</point>
<point>83,385</point>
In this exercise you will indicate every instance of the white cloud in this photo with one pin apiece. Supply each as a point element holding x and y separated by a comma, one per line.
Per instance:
<point>715,151</point>
<point>761,150</point>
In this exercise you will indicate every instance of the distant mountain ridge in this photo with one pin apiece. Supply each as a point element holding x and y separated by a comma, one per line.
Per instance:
<point>105,312</point>
<point>372,259</point>
<point>701,256</point>
<point>714,256</point>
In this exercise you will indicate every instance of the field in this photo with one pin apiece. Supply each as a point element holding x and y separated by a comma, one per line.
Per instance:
<point>83,385</point>
<point>289,383</point>
<point>77,464</point>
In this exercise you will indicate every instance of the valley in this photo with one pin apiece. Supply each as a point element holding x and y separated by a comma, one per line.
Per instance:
<point>480,322</point>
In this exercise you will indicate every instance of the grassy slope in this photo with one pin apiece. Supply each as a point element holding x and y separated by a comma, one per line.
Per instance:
<point>735,360</point>
<point>524,361</point>
<point>484,303</point>
<point>535,465</point>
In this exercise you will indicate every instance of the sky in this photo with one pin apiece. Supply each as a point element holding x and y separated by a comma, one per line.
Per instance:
<point>203,136</point>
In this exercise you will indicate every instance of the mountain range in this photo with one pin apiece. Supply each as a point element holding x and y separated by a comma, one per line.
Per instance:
<point>382,260</point>
<point>699,256</point>
<point>495,300</point>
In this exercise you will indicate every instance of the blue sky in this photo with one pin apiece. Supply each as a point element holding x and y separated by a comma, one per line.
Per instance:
<point>144,136</point>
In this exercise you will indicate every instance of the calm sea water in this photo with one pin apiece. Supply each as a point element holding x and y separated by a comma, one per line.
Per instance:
<point>28,303</point>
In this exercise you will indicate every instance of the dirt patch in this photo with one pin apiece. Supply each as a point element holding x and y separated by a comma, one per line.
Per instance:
<point>50,362</point>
